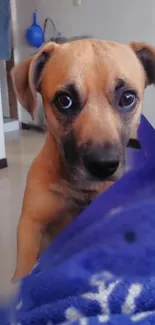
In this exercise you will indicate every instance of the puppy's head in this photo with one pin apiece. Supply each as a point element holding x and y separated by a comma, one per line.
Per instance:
<point>92,93</point>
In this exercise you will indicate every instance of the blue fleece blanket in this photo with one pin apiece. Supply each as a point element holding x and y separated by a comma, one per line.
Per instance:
<point>101,269</point>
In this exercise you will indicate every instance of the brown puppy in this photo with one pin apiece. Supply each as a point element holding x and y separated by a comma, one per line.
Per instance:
<point>92,93</point>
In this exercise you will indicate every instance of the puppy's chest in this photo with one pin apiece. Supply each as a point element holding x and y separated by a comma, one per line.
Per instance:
<point>73,206</point>
<point>75,201</point>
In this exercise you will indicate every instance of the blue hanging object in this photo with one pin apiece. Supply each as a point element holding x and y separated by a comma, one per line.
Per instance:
<point>34,34</point>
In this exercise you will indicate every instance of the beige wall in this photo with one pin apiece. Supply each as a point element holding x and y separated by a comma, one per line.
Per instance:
<point>118,20</point>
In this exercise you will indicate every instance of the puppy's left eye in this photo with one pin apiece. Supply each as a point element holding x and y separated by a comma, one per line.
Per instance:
<point>127,100</point>
<point>63,102</point>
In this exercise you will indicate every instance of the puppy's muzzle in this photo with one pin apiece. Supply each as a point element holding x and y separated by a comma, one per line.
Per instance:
<point>101,163</point>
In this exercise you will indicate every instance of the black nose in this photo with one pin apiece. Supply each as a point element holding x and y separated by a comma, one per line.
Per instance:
<point>100,166</point>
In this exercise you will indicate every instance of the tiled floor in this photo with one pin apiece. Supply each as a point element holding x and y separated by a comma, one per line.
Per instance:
<point>21,148</point>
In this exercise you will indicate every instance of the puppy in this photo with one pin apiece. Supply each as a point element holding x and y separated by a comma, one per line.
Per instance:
<point>92,93</point>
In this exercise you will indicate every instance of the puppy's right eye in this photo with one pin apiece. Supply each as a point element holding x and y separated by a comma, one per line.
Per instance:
<point>63,102</point>
<point>67,101</point>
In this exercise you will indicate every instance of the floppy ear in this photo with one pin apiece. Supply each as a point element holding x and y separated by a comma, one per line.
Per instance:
<point>146,54</point>
<point>26,77</point>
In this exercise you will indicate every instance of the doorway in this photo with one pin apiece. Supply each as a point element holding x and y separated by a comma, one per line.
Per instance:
<point>9,102</point>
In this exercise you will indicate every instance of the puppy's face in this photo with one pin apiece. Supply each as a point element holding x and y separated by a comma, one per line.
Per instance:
<point>92,93</point>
